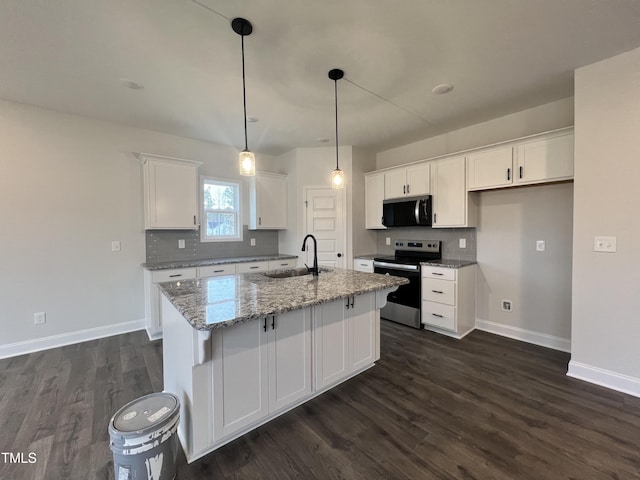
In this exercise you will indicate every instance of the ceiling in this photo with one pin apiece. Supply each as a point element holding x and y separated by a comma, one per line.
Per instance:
<point>502,56</point>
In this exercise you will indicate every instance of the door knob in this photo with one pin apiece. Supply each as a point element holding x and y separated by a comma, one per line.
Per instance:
<point>339,255</point>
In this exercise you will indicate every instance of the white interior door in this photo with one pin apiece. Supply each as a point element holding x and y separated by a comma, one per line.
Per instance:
<point>325,220</point>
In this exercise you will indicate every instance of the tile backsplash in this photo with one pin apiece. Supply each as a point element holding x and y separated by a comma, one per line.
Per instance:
<point>162,245</point>
<point>448,236</point>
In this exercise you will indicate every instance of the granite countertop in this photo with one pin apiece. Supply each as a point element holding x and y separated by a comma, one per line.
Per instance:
<point>448,263</point>
<point>214,261</point>
<point>369,256</point>
<point>217,302</point>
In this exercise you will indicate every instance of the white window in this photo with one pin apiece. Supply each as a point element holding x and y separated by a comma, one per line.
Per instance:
<point>220,200</point>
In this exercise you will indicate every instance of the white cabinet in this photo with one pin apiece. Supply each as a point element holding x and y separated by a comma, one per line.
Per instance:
<point>153,316</point>
<point>259,367</point>
<point>170,193</point>
<point>549,158</point>
<point>453,206</point>
<point>283,263</point>
<point>373,197</point>
<point>345,338</point>
<point>217,270</point>
<point>407,181</point>
<point>268,202</point>
<point>249,267</point>
<point>363,265</point>
<point>490,168</point>
<point>448,299</point>
<point>545,160</point>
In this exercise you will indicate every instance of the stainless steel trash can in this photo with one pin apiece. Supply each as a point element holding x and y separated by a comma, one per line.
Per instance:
<point>143,437</point>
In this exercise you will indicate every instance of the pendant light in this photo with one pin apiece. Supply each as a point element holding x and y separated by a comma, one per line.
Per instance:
<point>337,176</point>
<point>247,159</point>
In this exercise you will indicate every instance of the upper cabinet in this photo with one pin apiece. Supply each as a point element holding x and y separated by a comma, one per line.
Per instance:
<point>407,181</point>
<point>268,202</point>
<point>546,159</point>
<point>453,206</point>
<point>170,193</point>
<point>373,197</point>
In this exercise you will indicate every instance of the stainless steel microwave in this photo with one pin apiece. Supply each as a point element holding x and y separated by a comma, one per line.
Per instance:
<point>407,212</point>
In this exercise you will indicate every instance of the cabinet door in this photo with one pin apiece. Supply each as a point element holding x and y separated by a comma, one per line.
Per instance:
<point>418,179</point>
<point>362,330</point>
<point>331,343</point>
<point>289,358</point>
<point>170,194</point>
<point>449,193</point>
<point>153,298</point>
<point>240,376</point>
<point>490,169</point>
<point>373,197</point>
<point>549,159</point>
<point>268,202</point>
<point>395,183</point>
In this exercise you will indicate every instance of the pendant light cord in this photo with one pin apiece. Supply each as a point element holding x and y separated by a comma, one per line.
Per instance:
<point>335,83</point>
<point>244,97</point>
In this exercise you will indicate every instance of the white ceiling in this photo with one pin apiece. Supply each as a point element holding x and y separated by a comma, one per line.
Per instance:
<point>502,56</point>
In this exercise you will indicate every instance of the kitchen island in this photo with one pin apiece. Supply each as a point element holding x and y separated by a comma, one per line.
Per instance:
<point>240,350</point>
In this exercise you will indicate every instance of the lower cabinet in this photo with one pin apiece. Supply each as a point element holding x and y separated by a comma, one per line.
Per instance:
<point>449,299</point>
<point>346,336</point>
<point>153,316</point>
<point>260,367</point>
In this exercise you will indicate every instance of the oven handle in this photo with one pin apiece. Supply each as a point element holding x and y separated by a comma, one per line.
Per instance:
<point>397,266</point>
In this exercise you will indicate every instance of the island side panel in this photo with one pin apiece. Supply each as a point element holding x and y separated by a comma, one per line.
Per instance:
<point>189,382</point>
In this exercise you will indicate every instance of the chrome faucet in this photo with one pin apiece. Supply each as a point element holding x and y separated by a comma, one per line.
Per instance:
<point>313,270</point>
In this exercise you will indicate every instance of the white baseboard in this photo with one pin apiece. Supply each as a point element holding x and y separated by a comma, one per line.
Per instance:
<point>528,336</point>
<point>45,343</point>
<point>604,378</point>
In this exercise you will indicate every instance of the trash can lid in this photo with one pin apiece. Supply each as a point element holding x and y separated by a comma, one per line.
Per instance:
<point>145,413</point>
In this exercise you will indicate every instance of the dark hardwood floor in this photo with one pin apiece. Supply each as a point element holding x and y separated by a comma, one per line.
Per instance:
<point>484,407</point>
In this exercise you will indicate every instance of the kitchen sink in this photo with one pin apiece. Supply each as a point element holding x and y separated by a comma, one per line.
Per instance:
<point>295,272</point>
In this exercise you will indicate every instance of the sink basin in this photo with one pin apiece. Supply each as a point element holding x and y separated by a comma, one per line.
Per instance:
<point>295,272</point>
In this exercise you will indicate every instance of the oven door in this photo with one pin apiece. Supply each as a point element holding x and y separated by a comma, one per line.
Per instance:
<point>403,305</point>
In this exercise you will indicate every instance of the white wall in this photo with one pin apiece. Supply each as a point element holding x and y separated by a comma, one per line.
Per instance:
<point>363,241</point>
<point>538,284</point>
<point>69,186</point>
<point>606,286</point>
<point>510,221</point>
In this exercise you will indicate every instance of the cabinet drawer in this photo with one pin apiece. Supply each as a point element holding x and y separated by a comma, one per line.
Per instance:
<point>439,315</point>
<point>363,265</point>
<point>283,263</point>
<point>173,274</point>
<point>216,270</point>
<point>253,267</point>
<point>440,291</point>
<point>439,272</point>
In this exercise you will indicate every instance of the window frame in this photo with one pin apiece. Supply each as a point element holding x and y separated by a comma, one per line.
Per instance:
<point>237,184</point>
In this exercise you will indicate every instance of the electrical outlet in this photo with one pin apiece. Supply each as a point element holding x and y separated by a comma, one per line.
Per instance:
<point>40,318</point>
<point>506,305</point>
<point>253,242</point>
<point>462,243</point>
<point>604,244</point>
<point>115,246</point>
<point>181,243</point>
<point>387,241</point>
<point>540,246</point>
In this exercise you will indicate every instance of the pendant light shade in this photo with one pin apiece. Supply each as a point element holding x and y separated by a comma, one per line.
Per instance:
<point>337,176</point>
<point>247,159</point>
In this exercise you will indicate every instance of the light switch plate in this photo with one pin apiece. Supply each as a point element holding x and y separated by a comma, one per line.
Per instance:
<point>387,241</point>
<point>604,244</point>
<point>181,243</point>
<point>253,242</point>
<point>540,246</point>
<point>115,246</point>
<point>462,243</point>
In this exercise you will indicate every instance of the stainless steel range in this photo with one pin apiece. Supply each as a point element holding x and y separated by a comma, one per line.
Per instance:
<point>403,305</point>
